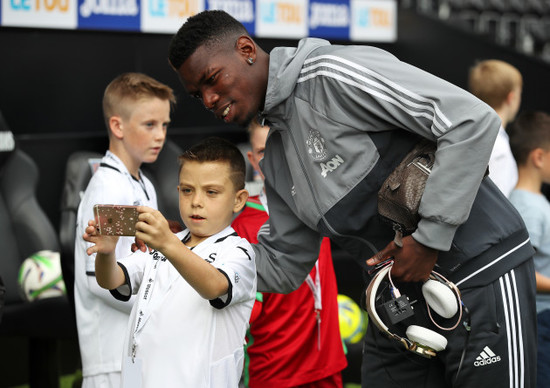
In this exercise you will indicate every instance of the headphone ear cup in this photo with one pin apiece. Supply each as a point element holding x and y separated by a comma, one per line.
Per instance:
<point>426,337</point>
<point>440,298</point>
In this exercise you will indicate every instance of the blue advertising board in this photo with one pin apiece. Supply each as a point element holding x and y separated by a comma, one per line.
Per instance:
<point>103,15</point>
<point>329,19</point>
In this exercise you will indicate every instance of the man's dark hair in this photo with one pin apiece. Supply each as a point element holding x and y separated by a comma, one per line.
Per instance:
<point>205,28</point>
<point>530,130</point>
<point>216,149</point>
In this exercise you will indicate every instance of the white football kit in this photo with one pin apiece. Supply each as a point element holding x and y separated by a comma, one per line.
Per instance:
<point>102,320</point>
<point>175,337</point>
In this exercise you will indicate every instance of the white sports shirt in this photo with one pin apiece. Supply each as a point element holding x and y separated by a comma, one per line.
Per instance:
<point>503,169</point>
<point>179,338</point>
<point>102,320</point>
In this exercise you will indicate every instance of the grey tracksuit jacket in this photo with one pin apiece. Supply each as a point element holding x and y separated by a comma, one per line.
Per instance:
<point>341,118</point>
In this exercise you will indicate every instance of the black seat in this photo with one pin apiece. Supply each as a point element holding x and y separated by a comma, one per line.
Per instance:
<point>26,230</point>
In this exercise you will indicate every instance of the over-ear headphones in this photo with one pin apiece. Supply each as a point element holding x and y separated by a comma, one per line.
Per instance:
<point>440,294</point>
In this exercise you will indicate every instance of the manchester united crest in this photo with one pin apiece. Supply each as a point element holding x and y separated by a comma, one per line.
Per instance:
<point>316,145</point>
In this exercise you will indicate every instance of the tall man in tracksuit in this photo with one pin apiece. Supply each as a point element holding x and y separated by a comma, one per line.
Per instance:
<point>342,118</point>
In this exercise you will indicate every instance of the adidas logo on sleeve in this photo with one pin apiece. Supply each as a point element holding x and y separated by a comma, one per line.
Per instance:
<point>486,357</point>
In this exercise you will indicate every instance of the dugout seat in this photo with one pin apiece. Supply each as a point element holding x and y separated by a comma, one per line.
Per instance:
<point>25,229</point>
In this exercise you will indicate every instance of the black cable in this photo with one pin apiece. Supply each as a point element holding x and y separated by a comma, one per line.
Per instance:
<point>467,325</point>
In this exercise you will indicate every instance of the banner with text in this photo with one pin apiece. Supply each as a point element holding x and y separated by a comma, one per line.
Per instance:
<point>354,20</point>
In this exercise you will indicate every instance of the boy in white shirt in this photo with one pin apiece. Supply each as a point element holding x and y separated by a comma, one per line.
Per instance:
<point>136,110</point>
<point>499,85</point>
<point>196,288</point>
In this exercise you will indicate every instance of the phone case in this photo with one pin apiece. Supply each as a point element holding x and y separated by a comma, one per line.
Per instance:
<point>116,220</point>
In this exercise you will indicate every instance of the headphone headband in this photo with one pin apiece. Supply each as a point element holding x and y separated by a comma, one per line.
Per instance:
<point>408,344</point>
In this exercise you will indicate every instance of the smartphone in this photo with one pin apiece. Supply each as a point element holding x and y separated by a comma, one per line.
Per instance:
<point>116,220</point>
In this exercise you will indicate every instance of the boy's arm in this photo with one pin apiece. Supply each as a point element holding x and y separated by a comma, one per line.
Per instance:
<point>108,273</point>
<point>206,279</point>
<point>154,230</point>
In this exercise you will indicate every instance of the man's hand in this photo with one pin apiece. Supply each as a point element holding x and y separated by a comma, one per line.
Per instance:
<point>412,263</point>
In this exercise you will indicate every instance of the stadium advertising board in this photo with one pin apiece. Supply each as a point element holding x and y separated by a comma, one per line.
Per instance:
<point>354,20</point>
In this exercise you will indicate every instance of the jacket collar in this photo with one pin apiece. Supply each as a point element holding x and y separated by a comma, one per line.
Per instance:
<point>285,64</point>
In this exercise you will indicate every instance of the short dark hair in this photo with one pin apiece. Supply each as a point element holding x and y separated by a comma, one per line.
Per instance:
<point>216,149</point>
<point>529,131</point>
<point>205,28</point>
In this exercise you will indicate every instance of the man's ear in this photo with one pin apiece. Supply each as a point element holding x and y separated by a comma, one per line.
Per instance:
<point>115,125</point>
<point>240,200</point>
<point>246,48</point>
<point>537,157</point>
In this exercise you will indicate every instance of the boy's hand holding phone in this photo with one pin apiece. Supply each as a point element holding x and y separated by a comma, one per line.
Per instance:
<point>102,243</point>
<point>122,220</point>
<point>153,229</point>
<point>175,227</point>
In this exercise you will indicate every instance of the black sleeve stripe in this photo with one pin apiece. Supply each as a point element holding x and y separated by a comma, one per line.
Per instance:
<point>118,295</point>
<point>218,303</point>
<point>245,252</point>
<point>90,273</point>
<point>224,237</point>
